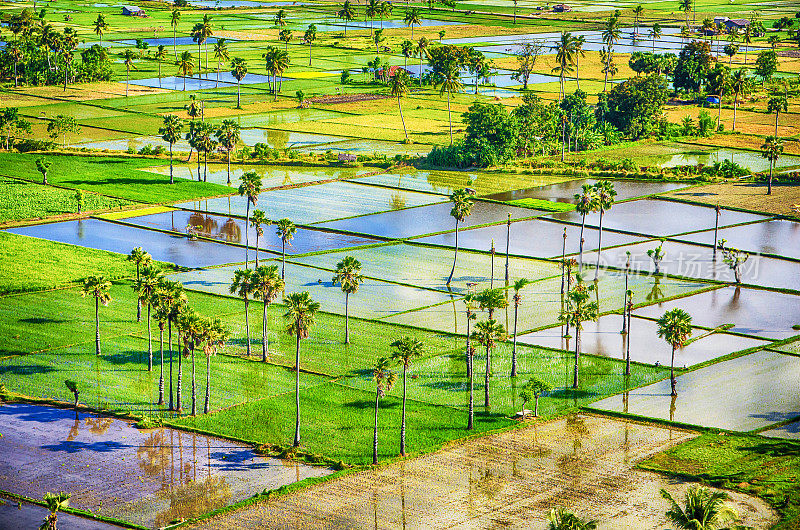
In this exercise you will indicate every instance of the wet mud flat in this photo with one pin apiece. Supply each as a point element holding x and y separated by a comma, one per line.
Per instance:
<point>149,477</point>
<point>512,479</point>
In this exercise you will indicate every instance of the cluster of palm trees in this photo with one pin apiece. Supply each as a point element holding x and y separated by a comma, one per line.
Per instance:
<point>597,197</point>
<point>569,50</point>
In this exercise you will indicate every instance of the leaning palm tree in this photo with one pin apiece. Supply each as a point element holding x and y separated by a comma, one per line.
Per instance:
<point>228,135</point>
<point>54,503</point>
<point>258,222</point>
<point>348,275</point>
<point>238,71</point>
<point>561,519</point>
<point>141,258</point>
<point>243,285</point>
<point>404,351</point>
<point>127,59</point>
<point>398,85</point>
<point>675,327</point>
<point>221,55</point>
<point>185,67</point>
<point>488,333</point>
<point>384,381</point>
<point>585,203</point>
<point>604,193</point>
<point>212,335</point>
<point>771,149</point>
<point>145,288</point>
<point>450,83</point>
<point>267,285</point>
<point>703,509</point>
<point>300,314</point>
<point>285,229</point>
<point>190,329</point>
<point>250,186</point>
<point>518,286</point>
<point>462,208</point>
<point>577,311</point>
<point>98,287</point>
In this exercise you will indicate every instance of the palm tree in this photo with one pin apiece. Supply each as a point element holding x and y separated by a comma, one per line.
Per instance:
<point>199,36</point>
<point>384,381</point>
<point>565,57</point>
<point>161,315</point>
<point>267,286</point>
<point>128,61</point>
<point>462,208</point>
<point>206,144</point>
<point>450,83</point>
<point>54,503</point>
<point>189,329</point>
<point>100,26</point>
<point>487,333</point>
<point>207,32</point>
<point>411,19</point>
<point>675,327</point>
<point>250,186</point>
<point>15,51</point>
<point>258,222</point>
<point>228,135</point>
<point>422,52</point>
<point>407,49</point>
<point>280,18</point>
<point>300,313</point>
<point>185,67</point>
<point>371,10</point>
<point>777,104</point>
<point>277,61</point>
<point>561,519</point>
<point>309,37</point>
<point>212,335</point>
<point>221,55</point>
<point>491,300</point>
<point>98,287</point>
<point>243,285</point>
<point>578,310</point>
<point>532,390</point>
<point>686,7</point>
<point>348,275</point>
<point>141,258</point>
<point>703,509</point>
<point>238,71</point>
<point>347,13</point>
<point>160,55</point>
<point>399,88</point>
<point>145,288</point>
<point>173,298</point>
<point>655,33</point>
<point>747,39</point>
<point>577,45</point>
<point>610,35</point>
<point>385,11</point>
<point>469,302</point>
<point>637,15</point>
<point>518,286</point>
<point>771,149</point>
<point>378,38</point>
<point>285,229</point>
<point>285,36</point>
<point>740,84</point>
<point>604,192</point>
<point>170,132</point>
<point>404,351</point>
<point>175,17</point>
<point>585,203</point>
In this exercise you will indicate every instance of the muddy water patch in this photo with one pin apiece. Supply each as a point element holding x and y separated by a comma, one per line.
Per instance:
<point>147,477</point>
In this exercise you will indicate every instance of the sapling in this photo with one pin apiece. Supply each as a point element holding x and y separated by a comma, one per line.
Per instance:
<point>79,198</point>
<point>733,258</point>
<point>72,386</point>
<point>532,390</point>
<point>657,254</point>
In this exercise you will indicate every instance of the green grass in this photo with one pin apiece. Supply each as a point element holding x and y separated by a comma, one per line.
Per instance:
<point>115,177</point>
<point>543,204</point>
<point>26,200</point>
<point>767,468</point>
<point>31,264</point>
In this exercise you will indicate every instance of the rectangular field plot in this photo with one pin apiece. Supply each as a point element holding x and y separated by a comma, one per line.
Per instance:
<point>318,203</point>
<point>741,394</point>
<point>271,176</point>
<point>603,338</point>
<point>430,267</point>
<point>777,236</point>
<point>535,238</point>
<point>231,230</point>
<point>565,191</point>
<point>660,218</point>
<point>428,220</point>
<point>752,311</point>
<point>105,235</point>
<point>367,147</point>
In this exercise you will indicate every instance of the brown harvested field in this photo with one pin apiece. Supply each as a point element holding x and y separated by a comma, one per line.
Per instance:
<point>512,479</point>
<point>748,195</point>
<point>745,141</point>
<point>87,91</point>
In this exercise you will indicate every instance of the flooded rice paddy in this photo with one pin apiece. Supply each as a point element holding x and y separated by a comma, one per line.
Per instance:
<point>271,176</point>
<point>566,191</point>
<point>777,236</point>
<point>150,477</point>
<point>16,514</point>
<point>747,159</point>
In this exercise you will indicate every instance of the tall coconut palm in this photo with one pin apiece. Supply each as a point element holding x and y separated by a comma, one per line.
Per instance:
<point>238,71</point>
<point>740,85</point>
<point>385,10</point>
<point>371,10</point>
<point>604,192</point>
<point>610,35</point>
<point>518,286</point>
<point>585,203</point>
<point>207,32</point>
<point>579,310</point>
<point>285,36</point>
<point>565,58</point>
<point>174,19</point>
<point>267,285</point>
<point>98,287</point>
<point>280,18</point>
<point>462,208</point>
<point>686,7</point>
<point>490,300</point>
<point>422,53</point>
<point>189,329</point>
<point>54,503</point>
<point>347,13</point>
<point>309,37</point>
<point>250,187</point>
<point>655,33</point>
<point>771,149</point>
<point>488,333</point>
<point>161,315</point>
<point>206,144</point>
<point>398,85</point>
<point>637,15</point>
<point>159,55</point>
<point>469,302</point>
<point>405,351</point>
<point>384,381</point>
<point>407,49</point>
<point>412,18</point>
<point>450,83</point>
<point>141,258</point>
<point>777,104</point>
<point>703,509</point>
<point>348,275</point>
<point>170,132</point>
<point>577,45</point>
<point>221,54</point>
<point>212,335</point>
<point>127,59</point>
<point>285,229</point>
<point>300,316</point>
<point>243,286</point>
<point>228,134</point>
<point>747,39</point>
<point>258,222</point>
<point>199,36</point>
<point>675,327</point>
<point>145,288</point>
<point>100,26</point>
<point>185,67</point>
<point>173,298</point>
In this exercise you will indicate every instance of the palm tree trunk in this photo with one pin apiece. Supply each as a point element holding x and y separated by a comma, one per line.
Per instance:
<point>247,323</point>
<point>169,345</point>
<point>471,417</point>
<point>672,373</point>
<point>776,124</point>
<point>175,42</point>
<point>347,318</point>
<point>577,354</point>
<point>256,249</point>
<point>138,300</point>
<point>449,117</point>
<point>403,416</point>
<point>455,257</point>
<point>283,259</point>
<point>161,377</point>
<point>149,342</point>
<point>207,406</point>
<point>205,165</point>
<point>127,78</point>
<point>297,393</point>
<point>468,357</point>
<point>309,54</point>
<point>97,324</point>
<point>514,347</point>
<point>599,245</point>
<point>486,381</point>
<point>628,341</point>
<point>229,176</point>
<point>420,69</point>
<point>264,335</point>
<point>171,178</point>
<point>194,387</point>
<point>375,431</point>
<point>769,192</point>
<point>402,119</point>
<point>238,94</point>
<point>179,391</point>
<point>735,102</point>
<point>246,236</point>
